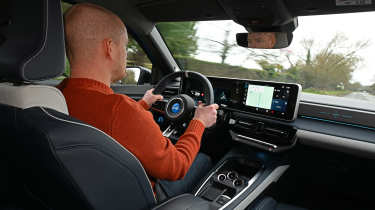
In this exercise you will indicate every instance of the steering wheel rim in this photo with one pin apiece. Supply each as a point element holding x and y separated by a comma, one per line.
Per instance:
<point>180,107</point>
<point>188,101</point>
<point>208,90</point>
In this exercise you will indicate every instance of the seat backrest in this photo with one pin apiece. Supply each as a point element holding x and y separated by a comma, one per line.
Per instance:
<point>71,165</point>
<point>63,163</point>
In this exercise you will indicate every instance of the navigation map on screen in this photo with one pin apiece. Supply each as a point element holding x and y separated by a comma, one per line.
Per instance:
<point>259,96</point>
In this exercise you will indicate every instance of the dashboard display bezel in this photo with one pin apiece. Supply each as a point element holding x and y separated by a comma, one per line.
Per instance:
<point>237,89</point>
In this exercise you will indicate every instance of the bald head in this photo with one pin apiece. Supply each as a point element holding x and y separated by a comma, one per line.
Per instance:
<point>86,26</point>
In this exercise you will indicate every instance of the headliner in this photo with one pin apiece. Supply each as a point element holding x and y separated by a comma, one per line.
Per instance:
<point>254,15</point>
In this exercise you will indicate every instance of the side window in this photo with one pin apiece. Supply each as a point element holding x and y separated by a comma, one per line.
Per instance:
<point>138,65</point>
<point>136,55</point>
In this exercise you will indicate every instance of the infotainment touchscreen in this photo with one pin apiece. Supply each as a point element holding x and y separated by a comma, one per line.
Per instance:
<point>258,96</point>
<point>270,99</point>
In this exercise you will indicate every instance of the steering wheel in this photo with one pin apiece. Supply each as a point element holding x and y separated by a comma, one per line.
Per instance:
<point>179,107</point>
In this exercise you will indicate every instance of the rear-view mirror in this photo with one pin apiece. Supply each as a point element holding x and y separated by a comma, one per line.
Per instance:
<point>264,40</point>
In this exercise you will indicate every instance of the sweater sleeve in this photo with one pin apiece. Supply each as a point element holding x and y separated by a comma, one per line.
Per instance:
<point>135,129</point>
<point>143,104</point>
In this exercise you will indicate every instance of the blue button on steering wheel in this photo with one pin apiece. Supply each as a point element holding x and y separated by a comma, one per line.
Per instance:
<point>175,108</point>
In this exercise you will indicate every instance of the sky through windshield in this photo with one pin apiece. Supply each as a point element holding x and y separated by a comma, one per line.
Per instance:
<point>356,27</point>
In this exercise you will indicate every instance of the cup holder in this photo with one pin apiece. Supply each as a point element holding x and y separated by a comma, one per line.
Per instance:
<point>232,175</point>
<point>229,179</point>
<point>221,177</point>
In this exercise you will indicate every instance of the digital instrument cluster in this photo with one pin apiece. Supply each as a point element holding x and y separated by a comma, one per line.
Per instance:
<point>198,96</point>
<point>269,99</point>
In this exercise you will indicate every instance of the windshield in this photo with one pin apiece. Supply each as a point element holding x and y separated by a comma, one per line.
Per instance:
<point>329,55</point>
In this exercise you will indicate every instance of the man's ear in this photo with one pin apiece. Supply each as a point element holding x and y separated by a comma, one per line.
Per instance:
<point>108,48</point>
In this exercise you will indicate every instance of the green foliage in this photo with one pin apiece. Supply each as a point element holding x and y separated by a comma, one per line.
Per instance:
<point>355,87</point>
<point>324,70</point>
<point>328,71</point>
<point>130,78</point>
<point>332,66</point>
<point>225,70</point>
<point>222,70</point>
<point>66,71</point>
<point>270,67</point>
<point>67,67</point>
<point>65,6</point>
<point>180,37</point>
<point>371,89</point>
<point>136,55</point>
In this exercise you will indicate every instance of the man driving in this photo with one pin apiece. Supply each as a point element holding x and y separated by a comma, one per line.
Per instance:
<point>96,41</point>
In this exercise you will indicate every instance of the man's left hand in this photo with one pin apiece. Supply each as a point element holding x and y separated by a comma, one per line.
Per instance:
<point>150,98</point>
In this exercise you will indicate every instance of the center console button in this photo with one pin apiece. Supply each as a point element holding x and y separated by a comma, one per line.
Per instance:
<point>237,182</point>
<point>223,199</point>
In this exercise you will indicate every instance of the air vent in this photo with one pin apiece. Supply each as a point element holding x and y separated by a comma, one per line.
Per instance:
<point>265,134</point>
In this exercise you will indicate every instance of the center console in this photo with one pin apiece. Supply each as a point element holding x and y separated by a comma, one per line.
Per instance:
<point>229,180</point>
<point>236,181</point>
<point>255,113</point>
<point>259,113</point>
<point>240,177</point>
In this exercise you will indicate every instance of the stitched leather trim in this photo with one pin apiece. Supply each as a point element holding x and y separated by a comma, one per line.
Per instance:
<point>81,124</point>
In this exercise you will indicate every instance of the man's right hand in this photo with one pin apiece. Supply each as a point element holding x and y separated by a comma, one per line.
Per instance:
<point>150,98</point>
<point>206,114</point>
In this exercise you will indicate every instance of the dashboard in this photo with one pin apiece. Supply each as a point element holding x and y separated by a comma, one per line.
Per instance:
<point>267,99</point>
<point>241,99</point>
<point>248,127</point>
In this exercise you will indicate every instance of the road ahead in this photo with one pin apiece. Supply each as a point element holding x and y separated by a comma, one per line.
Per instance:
<point>361,96</point>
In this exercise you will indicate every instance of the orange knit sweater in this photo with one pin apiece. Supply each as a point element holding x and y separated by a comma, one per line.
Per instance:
<point>129,122</point>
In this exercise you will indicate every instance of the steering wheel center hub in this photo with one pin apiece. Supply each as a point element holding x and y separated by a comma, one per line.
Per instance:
<point>178,107</point>
<point>181,107</point>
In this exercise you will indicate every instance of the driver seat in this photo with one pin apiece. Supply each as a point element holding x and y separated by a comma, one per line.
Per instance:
<point>62,162</point>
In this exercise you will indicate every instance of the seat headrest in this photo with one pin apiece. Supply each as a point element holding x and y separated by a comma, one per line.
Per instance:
<point>31,40</point>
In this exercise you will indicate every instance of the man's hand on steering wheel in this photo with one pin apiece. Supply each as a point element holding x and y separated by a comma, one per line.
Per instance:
<point>179,108</point>
<point>206,114</point>
<point>151,98</point>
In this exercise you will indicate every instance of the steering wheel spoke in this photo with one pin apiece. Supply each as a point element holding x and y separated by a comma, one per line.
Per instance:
<point>169,131</point>
<point>175,129</point>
